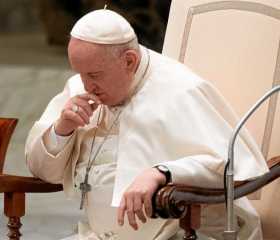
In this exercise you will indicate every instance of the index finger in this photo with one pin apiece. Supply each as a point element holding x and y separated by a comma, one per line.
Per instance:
<point>121,211</point>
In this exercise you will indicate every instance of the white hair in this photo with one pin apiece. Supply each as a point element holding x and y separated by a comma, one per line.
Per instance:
<point>116,50</point>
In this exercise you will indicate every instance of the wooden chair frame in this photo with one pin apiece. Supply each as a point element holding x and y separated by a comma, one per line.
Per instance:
<point>15,187</point>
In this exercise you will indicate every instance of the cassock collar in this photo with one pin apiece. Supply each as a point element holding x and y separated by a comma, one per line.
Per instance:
<point>141,71</point>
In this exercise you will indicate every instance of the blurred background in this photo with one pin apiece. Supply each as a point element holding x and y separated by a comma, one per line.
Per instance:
<point>34,68</point>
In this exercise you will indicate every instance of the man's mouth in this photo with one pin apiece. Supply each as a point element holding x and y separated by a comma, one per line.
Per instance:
<point>101,96</point>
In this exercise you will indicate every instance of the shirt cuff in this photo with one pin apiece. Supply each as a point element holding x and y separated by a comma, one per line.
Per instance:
<point>54,143</point>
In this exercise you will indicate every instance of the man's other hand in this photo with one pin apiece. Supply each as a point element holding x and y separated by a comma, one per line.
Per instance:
<point>138,196</point>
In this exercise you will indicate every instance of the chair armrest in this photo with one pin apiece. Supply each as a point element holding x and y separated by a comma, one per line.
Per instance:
<point>11,183</point>
<point>171,200</point>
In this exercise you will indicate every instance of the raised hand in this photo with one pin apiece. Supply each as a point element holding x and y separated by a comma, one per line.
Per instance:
<point>76,113</point>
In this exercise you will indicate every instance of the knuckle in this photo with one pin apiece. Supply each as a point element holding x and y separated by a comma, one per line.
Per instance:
<point>140,192</point>
<point>137,208</point>
<point>130,211</point>
<point>66,114</point>
<point>138,211</point>
<point>128,194</point>
<point>144,192</point>
<point>137,192</point>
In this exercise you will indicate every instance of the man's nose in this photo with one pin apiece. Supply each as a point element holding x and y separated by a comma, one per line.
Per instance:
<point>89,86</point>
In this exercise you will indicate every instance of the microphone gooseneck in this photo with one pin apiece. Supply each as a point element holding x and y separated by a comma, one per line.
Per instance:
<point>230,232</point>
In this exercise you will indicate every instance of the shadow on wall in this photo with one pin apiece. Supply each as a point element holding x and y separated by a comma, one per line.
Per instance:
<point>18,16</point>
<point>148,17</point>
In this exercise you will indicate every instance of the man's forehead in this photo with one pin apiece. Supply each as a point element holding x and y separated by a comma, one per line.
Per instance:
<point>83,50</point>
<point>77,44</point>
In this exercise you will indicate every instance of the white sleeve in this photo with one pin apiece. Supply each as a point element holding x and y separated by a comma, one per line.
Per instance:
<point>193,170</point>
<point>54,143</point>
<point>206,134</point>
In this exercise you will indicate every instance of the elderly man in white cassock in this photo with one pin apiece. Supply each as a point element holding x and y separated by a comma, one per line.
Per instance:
<point>130,121</point>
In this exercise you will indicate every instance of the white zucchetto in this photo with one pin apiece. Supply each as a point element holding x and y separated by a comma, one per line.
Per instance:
<point>103,27</point>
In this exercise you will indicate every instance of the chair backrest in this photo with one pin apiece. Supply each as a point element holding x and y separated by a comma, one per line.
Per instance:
<point>7,126</point>
<point>235,45</point>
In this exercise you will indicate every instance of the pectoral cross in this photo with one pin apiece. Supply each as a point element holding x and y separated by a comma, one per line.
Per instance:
<point>85,187</point>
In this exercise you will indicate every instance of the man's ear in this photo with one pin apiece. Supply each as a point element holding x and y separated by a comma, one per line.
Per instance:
<point>131,60</point>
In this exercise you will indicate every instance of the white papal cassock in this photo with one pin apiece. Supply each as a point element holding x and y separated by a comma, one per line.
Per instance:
<point>174,118</point>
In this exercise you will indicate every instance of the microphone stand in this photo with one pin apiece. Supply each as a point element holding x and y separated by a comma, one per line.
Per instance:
<point>230,232</point>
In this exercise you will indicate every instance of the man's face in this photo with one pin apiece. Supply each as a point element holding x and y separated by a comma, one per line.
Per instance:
<point>106,76</point>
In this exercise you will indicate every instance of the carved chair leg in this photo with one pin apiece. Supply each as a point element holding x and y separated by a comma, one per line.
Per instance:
<point>14,208</point>
<point>190,222</point>
<point>14,225</point>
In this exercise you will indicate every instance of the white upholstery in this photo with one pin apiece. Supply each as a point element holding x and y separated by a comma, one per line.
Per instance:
<point>234,49</point>
<point>235,45</point>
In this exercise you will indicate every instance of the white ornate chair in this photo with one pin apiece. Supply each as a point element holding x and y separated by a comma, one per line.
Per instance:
<point>236,46</point>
